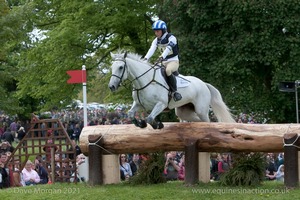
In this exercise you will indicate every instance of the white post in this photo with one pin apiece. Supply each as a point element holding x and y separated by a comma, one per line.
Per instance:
<point>84,100</point>
<point>84,169</point>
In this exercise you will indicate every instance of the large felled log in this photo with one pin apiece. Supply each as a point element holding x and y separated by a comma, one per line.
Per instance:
<point>210,137</point>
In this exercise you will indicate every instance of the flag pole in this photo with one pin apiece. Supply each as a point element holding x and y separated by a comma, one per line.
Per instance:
<point>84,98</point>
<point>79,76</point>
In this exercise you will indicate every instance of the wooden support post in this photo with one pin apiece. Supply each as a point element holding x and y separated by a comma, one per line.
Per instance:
<point>291,160</point>
<point>111,169</point>
<point>95,160</point>
<point>191,163</point>
<point>204,167</point>
<point>52,165</point>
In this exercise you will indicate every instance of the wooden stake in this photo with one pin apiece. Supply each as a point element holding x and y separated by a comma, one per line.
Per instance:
<point>191,163</point>
<point>95,160</point>
<point>291,160</point>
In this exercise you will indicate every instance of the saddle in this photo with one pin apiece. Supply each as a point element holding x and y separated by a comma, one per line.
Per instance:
<point>181,82</point>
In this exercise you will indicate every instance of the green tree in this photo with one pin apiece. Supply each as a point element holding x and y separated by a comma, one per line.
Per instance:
<point>240,47</point>
<point>64,35</point>
<point>12,33</point>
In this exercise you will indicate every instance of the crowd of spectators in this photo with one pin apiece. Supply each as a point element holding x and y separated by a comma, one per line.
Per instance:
<point>174,165</point>
<point>275,166</point>
<point>220,163</point>
<point>12,131</point>
<point>174,168</point>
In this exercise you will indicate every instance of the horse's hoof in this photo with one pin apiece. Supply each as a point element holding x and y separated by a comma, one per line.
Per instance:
<point>160,125</point>
<point>135,122</point>
<point>143,124</point>
<point>154,125</point>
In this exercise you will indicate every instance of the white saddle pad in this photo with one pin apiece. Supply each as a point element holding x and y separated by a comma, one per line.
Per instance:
<point>182,82</point>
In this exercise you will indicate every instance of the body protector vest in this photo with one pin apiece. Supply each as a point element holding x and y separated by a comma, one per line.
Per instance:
<point>164,43</point>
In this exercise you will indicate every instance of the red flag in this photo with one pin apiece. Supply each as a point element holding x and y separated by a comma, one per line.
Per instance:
<point>77,76</point>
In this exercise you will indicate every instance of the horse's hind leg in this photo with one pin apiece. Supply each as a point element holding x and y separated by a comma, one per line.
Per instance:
<point>202,113</point>
<point>188,114</point>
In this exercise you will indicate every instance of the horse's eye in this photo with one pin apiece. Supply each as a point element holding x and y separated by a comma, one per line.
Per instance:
<point>121,67</point>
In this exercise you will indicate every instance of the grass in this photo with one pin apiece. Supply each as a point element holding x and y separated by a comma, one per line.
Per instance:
<point>171,190</point>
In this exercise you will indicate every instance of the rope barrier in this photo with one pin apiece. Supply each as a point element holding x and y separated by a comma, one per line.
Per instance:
<point>97,145</point>
<point>293,143</point>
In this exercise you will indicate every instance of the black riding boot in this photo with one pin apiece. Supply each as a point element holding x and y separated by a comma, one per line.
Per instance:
<point>171,80</point>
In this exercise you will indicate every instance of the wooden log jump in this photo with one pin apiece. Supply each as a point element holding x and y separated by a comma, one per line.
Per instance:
<point>210,137</point>
<point>189,137</point>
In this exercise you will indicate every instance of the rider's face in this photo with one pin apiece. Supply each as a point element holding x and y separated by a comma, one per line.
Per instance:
<point>158,33</point>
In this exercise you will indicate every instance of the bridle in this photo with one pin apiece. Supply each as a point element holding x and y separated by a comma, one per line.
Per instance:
<point>136,78</point>
<point>123,72</point>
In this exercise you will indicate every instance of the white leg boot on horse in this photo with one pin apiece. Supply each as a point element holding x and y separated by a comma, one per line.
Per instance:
<point>171,80</point>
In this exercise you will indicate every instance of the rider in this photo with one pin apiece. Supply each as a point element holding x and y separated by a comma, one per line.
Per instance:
<point>167,44</point>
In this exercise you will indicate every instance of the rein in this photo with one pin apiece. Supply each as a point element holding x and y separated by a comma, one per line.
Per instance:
<point>153,80</point>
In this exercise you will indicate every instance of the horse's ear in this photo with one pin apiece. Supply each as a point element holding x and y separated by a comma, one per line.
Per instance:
<point>125,55</point>
<point>113,56</point>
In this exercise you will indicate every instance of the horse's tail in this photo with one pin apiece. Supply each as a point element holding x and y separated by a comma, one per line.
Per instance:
<point>220,109</point>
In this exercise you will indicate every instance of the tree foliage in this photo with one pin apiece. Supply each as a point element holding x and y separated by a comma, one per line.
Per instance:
<point>64,35</point>
<point>150,170</point>
<point>240,47</point>
<point>12,26</point>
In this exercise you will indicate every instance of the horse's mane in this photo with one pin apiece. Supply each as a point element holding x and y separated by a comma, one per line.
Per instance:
<point>130,55</point>
<point>134,56</point>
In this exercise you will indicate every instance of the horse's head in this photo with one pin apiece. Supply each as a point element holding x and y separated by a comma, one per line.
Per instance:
<point>119,71</point>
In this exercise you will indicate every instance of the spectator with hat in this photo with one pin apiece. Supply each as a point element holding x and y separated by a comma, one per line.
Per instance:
<point>21,133</point>
<point>6,147</point>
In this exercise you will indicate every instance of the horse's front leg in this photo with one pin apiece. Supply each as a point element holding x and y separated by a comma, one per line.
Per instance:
<point>134,108</point>
<point>131,115</point>
<point>158,108</point>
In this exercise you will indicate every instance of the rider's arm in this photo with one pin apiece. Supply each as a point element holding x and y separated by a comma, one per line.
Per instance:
<point>152,49</point>
<point>172,43</point>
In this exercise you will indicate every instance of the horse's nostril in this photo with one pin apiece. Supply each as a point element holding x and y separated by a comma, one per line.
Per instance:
<point>112,88</point>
